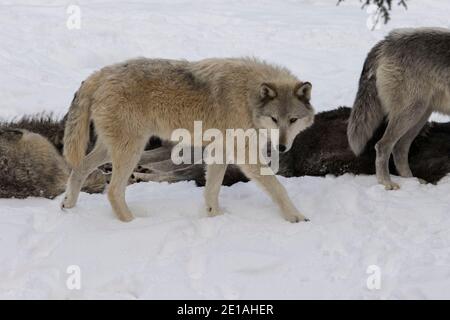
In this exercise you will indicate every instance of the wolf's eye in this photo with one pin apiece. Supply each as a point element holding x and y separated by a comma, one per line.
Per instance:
<point>274,120</point>
<point>292,120</point>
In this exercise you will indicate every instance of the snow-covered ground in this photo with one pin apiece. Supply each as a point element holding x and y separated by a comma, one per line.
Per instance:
<point>172,250</point>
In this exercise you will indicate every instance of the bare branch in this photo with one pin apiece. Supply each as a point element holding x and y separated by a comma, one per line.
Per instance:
<point>383,7</point>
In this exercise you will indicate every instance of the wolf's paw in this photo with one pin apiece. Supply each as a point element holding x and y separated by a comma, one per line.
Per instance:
<point>67,203</point>
<point>391,185</point>
<point>126,217</point>
<point>295,218</point>
<point>212,212</point>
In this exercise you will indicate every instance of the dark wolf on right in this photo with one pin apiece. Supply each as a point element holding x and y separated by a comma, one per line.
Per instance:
<point>405,78</point>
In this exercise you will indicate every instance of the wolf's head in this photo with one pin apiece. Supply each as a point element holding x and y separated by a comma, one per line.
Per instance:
<point>286,107</point>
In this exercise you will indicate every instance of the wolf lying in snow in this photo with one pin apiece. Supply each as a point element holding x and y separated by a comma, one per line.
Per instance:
<point>320,150</point>
<point>31,166</point>
<point>128,102</point>
<point>405,78</point>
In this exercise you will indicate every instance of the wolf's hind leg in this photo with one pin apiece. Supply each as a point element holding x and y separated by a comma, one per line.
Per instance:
<point>401,149</point>
<point>399,124</point>
<point>125,156</point>
<point>275,190</point>
<point>97,157</point>
<point>214,179</point>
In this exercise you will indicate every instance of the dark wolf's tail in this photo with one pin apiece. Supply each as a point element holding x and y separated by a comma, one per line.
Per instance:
<point>76,132</point>
<point>367,113</point>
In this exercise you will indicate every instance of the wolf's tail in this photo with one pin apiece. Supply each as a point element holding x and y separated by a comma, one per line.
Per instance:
<point>367,113</point>
<point>76,132</point>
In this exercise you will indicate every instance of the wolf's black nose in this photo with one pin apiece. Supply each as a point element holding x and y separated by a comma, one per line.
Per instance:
<point>281,148</point>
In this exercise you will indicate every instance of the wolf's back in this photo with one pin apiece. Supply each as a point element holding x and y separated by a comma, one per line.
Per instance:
<point>367,112</point>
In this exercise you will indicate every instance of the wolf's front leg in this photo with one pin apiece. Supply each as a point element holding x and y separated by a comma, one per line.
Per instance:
<point>214,178</point>
<point>275,189</point>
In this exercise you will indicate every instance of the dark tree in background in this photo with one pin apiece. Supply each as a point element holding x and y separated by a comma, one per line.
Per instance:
<point>383,7</point>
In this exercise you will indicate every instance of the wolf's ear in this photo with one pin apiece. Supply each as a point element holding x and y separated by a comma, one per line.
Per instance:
<point>303,90</point>
<point>267,91</point>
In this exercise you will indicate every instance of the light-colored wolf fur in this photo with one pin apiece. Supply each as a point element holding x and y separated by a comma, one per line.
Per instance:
<point>130,101</point>
<point>405,78</point>
<point>32,159</point>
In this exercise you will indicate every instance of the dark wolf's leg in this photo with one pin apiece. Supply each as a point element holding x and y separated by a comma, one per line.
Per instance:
<point>401,149</point>
<point>97,157</point>
<point>399,124</point>
<point>214,178</point>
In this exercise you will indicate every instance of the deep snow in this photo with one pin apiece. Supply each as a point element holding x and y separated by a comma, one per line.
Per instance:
<point>172,250</point>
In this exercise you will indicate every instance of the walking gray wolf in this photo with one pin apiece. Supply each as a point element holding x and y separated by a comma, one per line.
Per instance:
<point>128,102</point>
<point>405,78</point>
